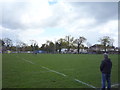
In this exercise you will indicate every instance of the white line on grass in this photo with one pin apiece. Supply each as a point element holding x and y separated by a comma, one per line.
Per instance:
<point>45,68</point>
<point>60,74</point>
<point>114,85</point>
<point>84,83</point>
<point>28,61</point>
<point>54,71</point>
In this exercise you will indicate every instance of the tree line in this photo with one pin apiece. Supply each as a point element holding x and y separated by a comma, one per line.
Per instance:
<point>68,42</point>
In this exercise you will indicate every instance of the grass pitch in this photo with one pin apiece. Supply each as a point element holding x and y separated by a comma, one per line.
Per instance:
<point>26,70</point>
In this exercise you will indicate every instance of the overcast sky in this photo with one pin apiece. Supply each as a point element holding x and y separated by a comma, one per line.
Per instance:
<point>47,20</point>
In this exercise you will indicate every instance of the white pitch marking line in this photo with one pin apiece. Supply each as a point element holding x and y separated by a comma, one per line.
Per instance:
<point>115,85</point>
<point>46,68</point>
<point>54,71</point>
<point>84,83</point>
<point>60,73</point>
<point>28,61</point>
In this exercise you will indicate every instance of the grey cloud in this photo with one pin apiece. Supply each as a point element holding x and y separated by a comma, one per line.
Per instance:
<point>11,14</point>
<point>101,11</point>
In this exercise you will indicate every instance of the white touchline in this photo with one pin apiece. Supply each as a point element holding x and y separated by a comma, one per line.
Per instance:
<point>60,74</point>
<point>28,61</point>
<point>84,83</point>
<point>115,85</point>
<point>45,68</point>
<point>25,60</point>
<point>54,71</point>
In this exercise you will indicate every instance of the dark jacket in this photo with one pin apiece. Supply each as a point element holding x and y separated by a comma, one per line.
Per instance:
<point>106,66</point>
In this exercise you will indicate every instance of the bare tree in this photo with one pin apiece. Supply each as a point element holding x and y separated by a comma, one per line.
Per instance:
<point>106,41</point>
<point>61,43</point>
<point>70,41</point>
<point>79,42</point>
<point>8,43</point>
<point>34,45</point>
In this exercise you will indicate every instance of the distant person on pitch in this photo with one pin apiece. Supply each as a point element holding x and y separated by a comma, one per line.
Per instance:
<point>105,68</point>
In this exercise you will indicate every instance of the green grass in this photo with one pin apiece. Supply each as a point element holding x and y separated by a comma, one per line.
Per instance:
<point>17,73</point>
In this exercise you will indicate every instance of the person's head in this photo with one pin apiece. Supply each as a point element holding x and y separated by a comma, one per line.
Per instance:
<point>105,55</point>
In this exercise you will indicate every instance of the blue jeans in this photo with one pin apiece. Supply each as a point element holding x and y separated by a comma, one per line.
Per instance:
<point>106,77</point>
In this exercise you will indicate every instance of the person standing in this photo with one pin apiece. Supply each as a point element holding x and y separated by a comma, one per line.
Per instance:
<point>105,68</point>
